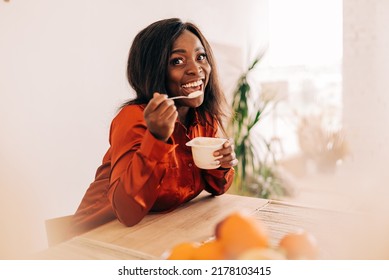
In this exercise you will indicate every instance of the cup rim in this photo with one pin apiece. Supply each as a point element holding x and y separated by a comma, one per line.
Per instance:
<point>219,141</point>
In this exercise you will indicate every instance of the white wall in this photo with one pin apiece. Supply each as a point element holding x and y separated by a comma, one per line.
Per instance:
<point>366,83</point>
<point>62,77</point>
<point>366,120</point>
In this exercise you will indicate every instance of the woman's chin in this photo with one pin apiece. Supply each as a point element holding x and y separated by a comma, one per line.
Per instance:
<point>192,103</point>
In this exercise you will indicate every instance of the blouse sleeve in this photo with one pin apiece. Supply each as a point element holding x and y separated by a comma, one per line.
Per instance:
<point>218,181</point>
<point>138,164</point>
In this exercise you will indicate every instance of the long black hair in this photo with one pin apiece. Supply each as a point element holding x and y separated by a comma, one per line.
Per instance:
<point>148,63</point>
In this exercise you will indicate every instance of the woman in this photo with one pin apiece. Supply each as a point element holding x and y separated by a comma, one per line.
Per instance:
<point>148,167</point>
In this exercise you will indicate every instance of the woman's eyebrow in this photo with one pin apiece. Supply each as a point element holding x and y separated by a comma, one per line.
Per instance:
<point>184,51</point>
<point>179,51</point>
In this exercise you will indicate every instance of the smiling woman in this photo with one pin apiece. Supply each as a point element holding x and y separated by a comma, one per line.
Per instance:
<point>148,167</point>
<point>72,73</point>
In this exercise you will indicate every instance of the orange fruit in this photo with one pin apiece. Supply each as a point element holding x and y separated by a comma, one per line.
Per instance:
<point>300,245</point>
<point>262,254</point>
<point>182,251</point>
<point>238,233</point>
<point>212,250</point>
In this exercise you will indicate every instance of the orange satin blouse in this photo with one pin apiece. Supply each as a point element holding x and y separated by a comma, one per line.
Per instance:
<point>140,173</point>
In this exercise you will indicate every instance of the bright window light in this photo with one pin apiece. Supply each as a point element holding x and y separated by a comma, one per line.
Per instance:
<point>305,32</point>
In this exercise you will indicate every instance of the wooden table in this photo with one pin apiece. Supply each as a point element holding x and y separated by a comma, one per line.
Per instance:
<point>194,221</point>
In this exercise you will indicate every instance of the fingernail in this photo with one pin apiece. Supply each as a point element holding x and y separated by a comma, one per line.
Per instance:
<point>216,154</point>
<point>216,162</point>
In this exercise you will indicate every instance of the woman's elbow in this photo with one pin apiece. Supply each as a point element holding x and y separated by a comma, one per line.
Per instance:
<point>127,210</point>
<point>130,219</point>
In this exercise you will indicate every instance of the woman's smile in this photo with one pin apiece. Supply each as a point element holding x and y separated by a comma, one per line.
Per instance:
<point>192,86</point>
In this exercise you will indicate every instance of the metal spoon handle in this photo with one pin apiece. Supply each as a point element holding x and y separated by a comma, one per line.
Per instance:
<point>178,97</point>
<point>190,95</point>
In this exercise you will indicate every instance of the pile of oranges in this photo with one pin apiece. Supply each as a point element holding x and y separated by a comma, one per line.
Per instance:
<point>241,237</point>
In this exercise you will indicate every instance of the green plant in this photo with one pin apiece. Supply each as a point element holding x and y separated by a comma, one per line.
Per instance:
<point>256,173</point>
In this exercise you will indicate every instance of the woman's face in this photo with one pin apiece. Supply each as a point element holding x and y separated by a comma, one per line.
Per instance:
<point>188,69</point>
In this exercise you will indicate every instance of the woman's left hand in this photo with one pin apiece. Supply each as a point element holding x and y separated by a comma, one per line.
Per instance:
<point>227,155</point>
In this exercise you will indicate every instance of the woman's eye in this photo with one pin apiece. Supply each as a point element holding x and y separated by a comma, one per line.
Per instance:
<point>177,61</point>
<point>202,56</point>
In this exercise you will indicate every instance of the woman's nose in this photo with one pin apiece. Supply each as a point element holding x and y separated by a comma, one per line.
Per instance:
<point>193,68</point>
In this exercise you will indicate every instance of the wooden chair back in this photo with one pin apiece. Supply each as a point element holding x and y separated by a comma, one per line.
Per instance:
<point>57,229</point>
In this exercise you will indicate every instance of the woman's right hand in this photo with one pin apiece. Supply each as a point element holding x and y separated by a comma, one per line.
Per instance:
<point>160,115</point>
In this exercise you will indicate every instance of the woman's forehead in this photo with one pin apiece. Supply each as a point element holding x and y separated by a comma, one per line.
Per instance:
<point>187,40</point>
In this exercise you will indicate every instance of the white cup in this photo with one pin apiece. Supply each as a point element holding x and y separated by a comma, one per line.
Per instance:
<point>203,149</point>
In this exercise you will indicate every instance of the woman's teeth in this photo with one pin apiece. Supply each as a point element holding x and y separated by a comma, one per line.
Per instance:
<point>194,84</point>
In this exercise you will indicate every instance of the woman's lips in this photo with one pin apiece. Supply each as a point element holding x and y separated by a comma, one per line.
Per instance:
<point>192,86</point>
<point>188,90</point>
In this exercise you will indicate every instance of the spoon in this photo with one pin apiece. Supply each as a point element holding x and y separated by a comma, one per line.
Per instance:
<point>190,95</point>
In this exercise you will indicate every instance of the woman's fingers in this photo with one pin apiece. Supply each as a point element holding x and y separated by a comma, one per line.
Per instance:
<point>155,102</point>
<point>228,148</point>
<point>226,155</point>
<point>160,115</point>
<point>166,109</point>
